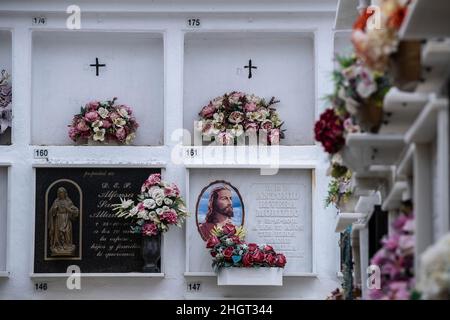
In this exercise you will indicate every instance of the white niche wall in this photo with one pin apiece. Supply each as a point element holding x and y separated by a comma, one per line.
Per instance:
<point>5,64</point>
<point>63,80</point>
<point>278,211</point>
<point>3,218</point>
<point>214,64</point>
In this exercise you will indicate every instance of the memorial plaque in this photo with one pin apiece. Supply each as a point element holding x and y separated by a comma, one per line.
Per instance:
<point>75,224</point>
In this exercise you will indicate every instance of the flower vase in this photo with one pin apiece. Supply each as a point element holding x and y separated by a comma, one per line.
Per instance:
<point>369,116</point>
<point>404,66</point>
<point>151,253</point>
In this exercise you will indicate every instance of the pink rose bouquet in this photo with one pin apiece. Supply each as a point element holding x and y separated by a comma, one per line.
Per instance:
<point>228,249</point>
<point>104,121</point>
<point>159,206</point>
<point>235,114</point>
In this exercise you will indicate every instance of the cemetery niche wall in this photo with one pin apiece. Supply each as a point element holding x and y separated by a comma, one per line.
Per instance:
<point>75,223</point>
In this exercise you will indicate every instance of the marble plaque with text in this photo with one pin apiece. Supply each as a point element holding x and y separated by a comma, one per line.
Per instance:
<point>75,224</point>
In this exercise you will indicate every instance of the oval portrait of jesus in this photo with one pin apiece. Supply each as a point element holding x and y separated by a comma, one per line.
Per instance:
<point>219,203</point>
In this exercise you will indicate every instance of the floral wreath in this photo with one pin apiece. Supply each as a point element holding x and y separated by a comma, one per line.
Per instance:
<point>234,114</point>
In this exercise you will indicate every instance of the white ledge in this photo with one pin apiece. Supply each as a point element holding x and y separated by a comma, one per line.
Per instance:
<point>344,219</point>
<point>98,275</point>
<point>436,67</point>
<point>401,110</point>
<point>424,128</point>
<point>4,274</point>
<point>395,197</point>
<point>426,19</point>
<point>285,274</point>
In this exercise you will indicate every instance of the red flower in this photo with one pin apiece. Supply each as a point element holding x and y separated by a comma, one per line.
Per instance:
<point>268,248</point>
<point>235,239</point>
<point>360,23</point>
<point>252,247</point>
<point>213,254</point>
<point>271,259</point>
<point>247,260</point>
<point>258,256</point>
<point>329,130</point>
<point>396,19</point>
<point>281,260</point>
<point>229,229</point>
<point>228,252</point>
<point>212,242</point>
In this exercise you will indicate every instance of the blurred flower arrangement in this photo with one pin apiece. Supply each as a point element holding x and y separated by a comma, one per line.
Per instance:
<point>373,43</point>
<point>234,114</point>
<point>396,262</point>
<point>339,189</point>
<point>104,121</point>
<point>435,271</point>
<point>228,249</point>
<point>158,207</point>
<point>5,102</point>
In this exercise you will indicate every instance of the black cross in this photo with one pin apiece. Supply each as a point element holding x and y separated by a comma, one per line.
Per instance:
<point>250,67</point>
<point>97,65</point>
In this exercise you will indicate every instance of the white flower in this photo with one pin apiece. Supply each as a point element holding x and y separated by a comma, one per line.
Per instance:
<point>124,113</point>
<point>119,122</point>
<point>133,211</point>
<point>159,211</point>
<point>218,117</point>
<point>103,112</point>
<point>237,130</point>
<point>149,203</point>
<point>159,201</point>
<point>366,85</point>
<point>126,204</point>
<point>99,134</point>
<point>130,138</point>
<point>168,201</point>
<point>251,98</point>
<point>157,193</point>
<point>97,124</point>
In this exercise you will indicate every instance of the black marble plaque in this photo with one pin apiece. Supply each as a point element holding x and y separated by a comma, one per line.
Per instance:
<point>75,224</point>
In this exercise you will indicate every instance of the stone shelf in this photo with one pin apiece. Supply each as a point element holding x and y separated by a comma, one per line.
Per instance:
<point>344,219</point>
<point>436,66</point>
<point>396,196</point>
<point>400,110</point>
<point>424,128</point>
<point>426,19</point>
<point>405,165</point>
<point>250,277</point>
<point>366,149</point>
<point>346,14</point>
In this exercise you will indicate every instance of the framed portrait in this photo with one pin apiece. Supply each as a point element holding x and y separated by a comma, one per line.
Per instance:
<point>218,203</point>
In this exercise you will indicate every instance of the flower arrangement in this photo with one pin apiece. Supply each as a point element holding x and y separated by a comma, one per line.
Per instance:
<point>5,102</point>
<point>228,249</point>
<point>374,44</point>
<point>329,131</point>
<point>159,206</point>
<point>396,262</point>
<point>234,114</point>
<point>104,121</point>
<point>339,188</point>
<point>435,271</point>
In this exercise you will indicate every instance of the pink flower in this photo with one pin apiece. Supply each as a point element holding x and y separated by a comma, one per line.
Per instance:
<point>149,229</point>
<point>281,260</point>
<point>82,126</point>
<point>73,132</point>
<point>250,107</point>
<point>212,242</point>
<point>93,105</point>
<point>141,206</point>
<point>121,134</point>
<point>236,117</point>
<point>91,116</point>
<point>225,138</point>
<point>114,115</point>
<point>169,216</point>
<point>208,111</point>
<point>267,125</point>
<point>274,136</point>
<point>229,229</point>
<point>171,191</point>
<point>106,124</point>
<point>391,243</point>
<point>251,127</point>
<point>152,180</point>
